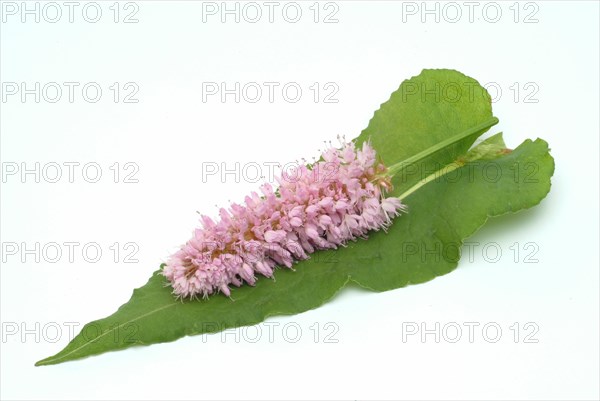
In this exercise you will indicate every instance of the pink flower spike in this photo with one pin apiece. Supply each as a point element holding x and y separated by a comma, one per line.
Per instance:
<point>310,211</point>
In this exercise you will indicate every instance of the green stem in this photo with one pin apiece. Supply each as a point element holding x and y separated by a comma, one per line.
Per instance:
<point>443,171</point>
<point>394,169</point>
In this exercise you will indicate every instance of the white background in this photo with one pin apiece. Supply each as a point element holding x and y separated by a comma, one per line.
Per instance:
<point>170,132</point>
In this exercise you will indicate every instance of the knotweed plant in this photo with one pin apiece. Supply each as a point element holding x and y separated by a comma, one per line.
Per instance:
<point>341,198</point>
<point>338,199</point>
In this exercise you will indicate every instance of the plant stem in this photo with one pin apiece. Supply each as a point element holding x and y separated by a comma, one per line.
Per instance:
<point>441,172</point>
<point>394,169</point>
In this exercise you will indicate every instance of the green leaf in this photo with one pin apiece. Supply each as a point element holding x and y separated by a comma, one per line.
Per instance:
<point>427,109</point>
<point>426,242</point>
<point>489,181</point>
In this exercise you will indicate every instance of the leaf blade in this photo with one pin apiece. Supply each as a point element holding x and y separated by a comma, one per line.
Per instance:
<point>423,112</point>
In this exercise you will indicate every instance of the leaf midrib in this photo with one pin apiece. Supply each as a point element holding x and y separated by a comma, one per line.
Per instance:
<point>50,360</point>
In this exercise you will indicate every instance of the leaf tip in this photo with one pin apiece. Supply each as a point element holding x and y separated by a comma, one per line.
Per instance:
<point>41,362</point>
